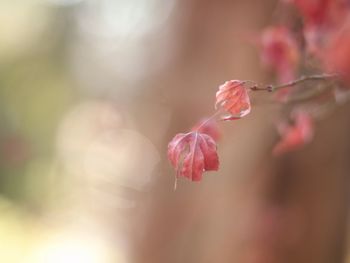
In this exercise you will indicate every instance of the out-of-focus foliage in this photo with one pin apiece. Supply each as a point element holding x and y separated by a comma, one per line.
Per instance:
<point>68,72</point>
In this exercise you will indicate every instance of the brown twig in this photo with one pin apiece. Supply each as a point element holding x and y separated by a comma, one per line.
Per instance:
<point>305,78</point>
<point>271,88</point>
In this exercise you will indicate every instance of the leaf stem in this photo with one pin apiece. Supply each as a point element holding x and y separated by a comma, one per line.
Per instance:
<point>209,119</point>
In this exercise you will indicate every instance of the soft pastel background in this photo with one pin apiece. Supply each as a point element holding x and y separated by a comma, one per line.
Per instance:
<point>91,92</point>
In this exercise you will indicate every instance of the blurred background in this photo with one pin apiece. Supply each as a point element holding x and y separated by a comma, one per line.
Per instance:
<point>91,91</point>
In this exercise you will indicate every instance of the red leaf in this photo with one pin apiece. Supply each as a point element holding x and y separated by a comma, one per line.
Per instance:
<point>233,97</point>
<point>280,52</point>
<point>319,13</point>
<point>294,136</point>
<point>321,19</point>
<point>313,11</point>
<point>208,126</point>
<point>337,55</point>
<point>193,153</point>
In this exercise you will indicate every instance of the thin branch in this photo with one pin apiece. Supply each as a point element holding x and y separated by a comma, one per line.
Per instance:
<point>304,79</point>
<point>272,88</point>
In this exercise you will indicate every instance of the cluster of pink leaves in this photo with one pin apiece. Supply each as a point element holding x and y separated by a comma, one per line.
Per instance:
<point>326,35</point>
<point>195,152</point>
<point>326,28</point>
<point>326,32</point>
<point>321,18</point>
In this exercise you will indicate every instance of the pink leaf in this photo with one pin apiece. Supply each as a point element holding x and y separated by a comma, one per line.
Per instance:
<point>294,136</point>
<point>313,11</point>
<point>193,153</point>
<point>233,97</point>
<point>337,55</point>
<point>326,13</point>
<point>280,52</point>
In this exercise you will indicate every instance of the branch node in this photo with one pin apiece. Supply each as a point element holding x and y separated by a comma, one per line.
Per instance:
<point>270,88</point>
<point>254,87</point>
